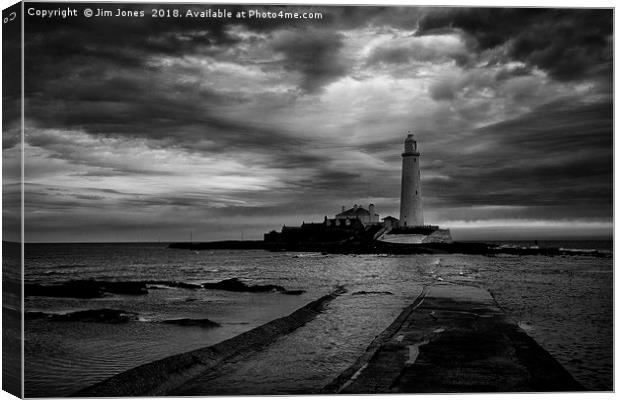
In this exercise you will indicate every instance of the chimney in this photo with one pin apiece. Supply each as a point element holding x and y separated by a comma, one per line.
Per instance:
<point>342,208</point>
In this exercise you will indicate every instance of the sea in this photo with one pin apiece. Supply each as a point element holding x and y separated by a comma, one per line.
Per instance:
<point>564,302</point>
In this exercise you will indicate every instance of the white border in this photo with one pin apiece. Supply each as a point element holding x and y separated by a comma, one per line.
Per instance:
<point>477,3</point>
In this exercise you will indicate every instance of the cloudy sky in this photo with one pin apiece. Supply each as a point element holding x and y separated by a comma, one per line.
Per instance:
<point>147,129</point>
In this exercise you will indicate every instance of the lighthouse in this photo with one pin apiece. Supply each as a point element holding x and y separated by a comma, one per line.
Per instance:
<point>411,213</point>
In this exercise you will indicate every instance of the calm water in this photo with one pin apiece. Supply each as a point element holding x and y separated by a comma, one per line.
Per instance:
<point>565,303</point>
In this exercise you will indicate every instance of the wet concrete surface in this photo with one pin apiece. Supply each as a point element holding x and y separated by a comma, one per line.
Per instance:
<point>454,338</point>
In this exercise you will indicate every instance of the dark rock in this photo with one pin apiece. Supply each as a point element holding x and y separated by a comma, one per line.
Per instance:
<point>294,292</point>
<point>235,285</point>
<point>35,315</point>
<point>100,315</point>
<point>86,289</point>
<point>203,323</point>
<point>133,288</point>
<point>232,285</point>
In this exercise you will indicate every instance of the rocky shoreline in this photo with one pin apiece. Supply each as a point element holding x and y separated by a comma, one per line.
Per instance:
<point>84,289</point>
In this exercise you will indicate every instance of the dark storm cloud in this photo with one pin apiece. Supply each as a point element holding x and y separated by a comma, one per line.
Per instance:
<point>101,83</point>
<point>569,44</point>
<point>84,54</point>
<point>314,54</point>
<point>558,155</point>
<point>417,52</point>
<point>168,114</point>
<point>82,48</point>
<point>443,90</point>
<point>125,42</point>
<point>103,100</point>
<point>386,18</point>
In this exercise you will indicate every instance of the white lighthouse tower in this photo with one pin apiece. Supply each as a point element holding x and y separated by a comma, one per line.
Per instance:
<point>411,213</point>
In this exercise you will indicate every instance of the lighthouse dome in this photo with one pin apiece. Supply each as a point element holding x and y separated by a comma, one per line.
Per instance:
<point>411,146</point>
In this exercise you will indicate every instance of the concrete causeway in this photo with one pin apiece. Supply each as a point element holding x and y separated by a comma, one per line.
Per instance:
<point>452,339</point>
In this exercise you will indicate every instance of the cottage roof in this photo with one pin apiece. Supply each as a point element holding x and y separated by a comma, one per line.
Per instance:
<point>353,212</point>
